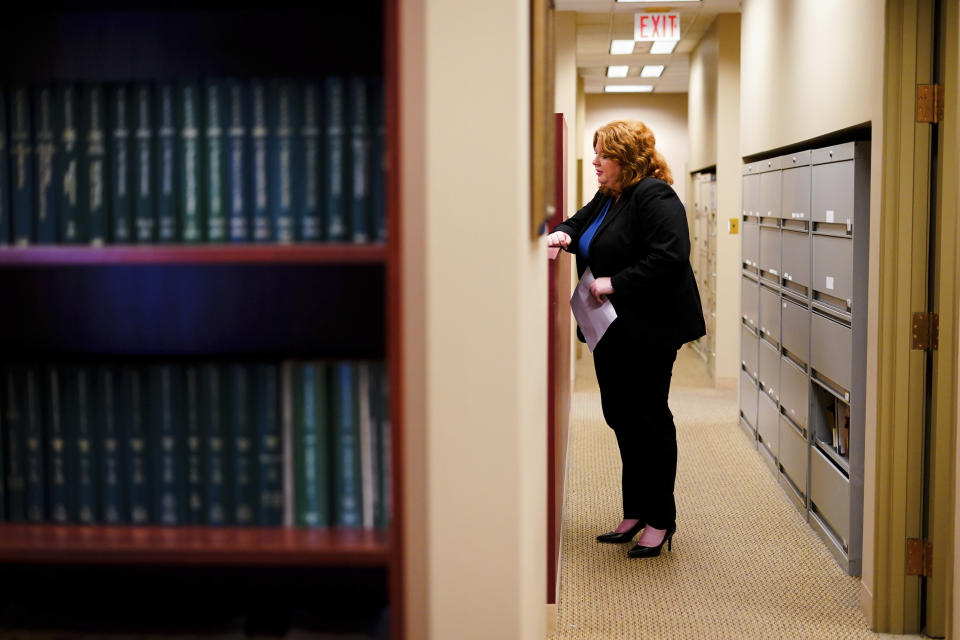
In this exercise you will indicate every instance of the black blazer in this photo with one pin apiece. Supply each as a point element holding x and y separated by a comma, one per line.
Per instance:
<point>643,245</point>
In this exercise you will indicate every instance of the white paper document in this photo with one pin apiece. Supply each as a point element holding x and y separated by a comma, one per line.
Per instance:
<point>593,317</point>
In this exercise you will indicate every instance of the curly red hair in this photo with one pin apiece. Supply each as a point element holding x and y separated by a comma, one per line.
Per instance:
<point>633,145</point>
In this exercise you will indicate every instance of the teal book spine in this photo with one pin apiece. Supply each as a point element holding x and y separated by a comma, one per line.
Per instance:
<point>190,139</point>
<point>46,159</point>
<point>378,158</point>
<point>133,407</point>
<point>282,124</point>
<point>121,163</point>
<point>15,441</point>
<point>85,435</point>
<point>62,411</point>
<point>215,165</point>
<point>71,230</point>
<point>345,428</point>
<point>311,445</point>
<point>112,494</point>
<point>380,410</point>
<point>269,446</point>
<point>36,484</point>
<point>93,169</point>
<point>4,181</point>
<point>243,451</point>
<point>21,167</point>
<point>218,509</point>
<point>308,183</point>
<point>237,156</point>
<point>358,204</point>
<point>334,159</point>
<point>144,163</point>
<point>260,137</point>
<point>166,187</point>
<point>166,444</point>
<point>194,447</point>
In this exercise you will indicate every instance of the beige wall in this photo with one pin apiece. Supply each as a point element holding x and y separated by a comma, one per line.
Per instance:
<point>474,378</point>
<point>702,106</point>
<point>665,114</point>
<point>565,23</point>
<point>811,67</point>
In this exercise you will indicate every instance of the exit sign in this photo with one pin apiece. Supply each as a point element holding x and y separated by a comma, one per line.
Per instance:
<point>656,26</point>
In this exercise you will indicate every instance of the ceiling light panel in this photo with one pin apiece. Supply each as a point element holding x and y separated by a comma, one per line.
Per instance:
<point>621,47</point>
<point>663,46</point>
<point>628,88</point>
<point>651,71</point>
<point>617,71</point>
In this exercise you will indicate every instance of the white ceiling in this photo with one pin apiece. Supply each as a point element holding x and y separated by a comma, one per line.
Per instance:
<point>600,21</point>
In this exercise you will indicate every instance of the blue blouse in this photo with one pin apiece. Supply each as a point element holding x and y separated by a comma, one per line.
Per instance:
<point>584,247</point>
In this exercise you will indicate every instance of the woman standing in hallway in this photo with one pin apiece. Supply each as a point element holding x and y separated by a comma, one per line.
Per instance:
<point>633,236</point>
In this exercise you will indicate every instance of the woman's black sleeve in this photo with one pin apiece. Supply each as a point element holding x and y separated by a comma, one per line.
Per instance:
<point>574,225</point>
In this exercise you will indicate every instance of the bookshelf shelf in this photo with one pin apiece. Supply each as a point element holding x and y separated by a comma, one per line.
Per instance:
<point>193,546</point>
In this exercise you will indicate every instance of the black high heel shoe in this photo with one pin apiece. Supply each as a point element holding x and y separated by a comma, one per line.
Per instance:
<point>640,551</point>
<point>618,538</point>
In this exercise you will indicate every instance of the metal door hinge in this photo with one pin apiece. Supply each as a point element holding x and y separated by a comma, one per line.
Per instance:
<point>919,557</point>
<point>929,103</point>
<point>926,331</point>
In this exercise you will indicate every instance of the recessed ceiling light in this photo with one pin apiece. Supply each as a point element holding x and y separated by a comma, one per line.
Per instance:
<point>621,47</point>
<point>628,88</point>
<point>663,46</point>
<point>617,71</point>
<point>651,71</point>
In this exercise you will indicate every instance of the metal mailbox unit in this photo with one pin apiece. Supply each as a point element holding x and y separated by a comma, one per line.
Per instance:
<point>803,340</point>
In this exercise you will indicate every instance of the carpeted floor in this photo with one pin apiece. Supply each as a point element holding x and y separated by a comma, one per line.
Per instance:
<point>744,563</point>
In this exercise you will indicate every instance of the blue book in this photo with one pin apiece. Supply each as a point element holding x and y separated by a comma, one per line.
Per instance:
<point>334,159</point>
<point>93,164</point>
<point>237,158</point>
<point>144,161</point>
<point>133,423</point>
<point>215,164</point>
<point>166,443</point>
<point>35,468</point>
<point>84,433</point>
<point>311,444</point>
<point>4,182</point>
<point>358,204</point>
<point>309,219</point>
<point>189,150</point>
<point>166,187</point>
<point>380,411</point>
<point>260,135</point>
<point>194,448</point>
<point>46,164</point>
<point>15,442</point>
<point>378,155</point>
<point>112,488</point>
<point>21,167</point>
<point>345,446</point>
<point>213,418</point>
<point>121,163</point>
<point>71,230</point>
<point>268,444</point>
<point>282,123</point>
<point>243,450</point>
<point>61,411</point>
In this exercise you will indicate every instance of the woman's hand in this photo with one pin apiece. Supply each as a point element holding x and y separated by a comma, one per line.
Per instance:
<point>601,288</point>
<point>558,239</point>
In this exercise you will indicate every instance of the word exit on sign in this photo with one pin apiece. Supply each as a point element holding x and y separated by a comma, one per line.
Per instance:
<point>656,26</point>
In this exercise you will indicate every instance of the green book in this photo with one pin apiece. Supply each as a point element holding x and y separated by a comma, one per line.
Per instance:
<point>218,509</point>
<point>311,445</point>
<point>112,493</point>
<point>71,230</point>
<point>166,188</point>
<point>358,204</point>
<point>194,449</point>
<point>144,163</point>
<point>269,449</point>
<point>133,407</point>
<point>282,124</point>
<point>334,159</point>
<point>380,410</point>
<point>93,164</point>
<point>190,144</point>
<point>61,411</point>
<point>215,165</point>
<point>345,446</point>
<point>243,450</point>
<point>259,136</point>
<point>238,159</point>
<point>46,157</point>
<point>167,444</point>
<point>15,442</point>
<point>121,163</point>
<point>308,217</point>
<point>85,434</point>
<point>4,182</point>
<point>378,159</point>
<point>21,167</point>
<point>35,469</point>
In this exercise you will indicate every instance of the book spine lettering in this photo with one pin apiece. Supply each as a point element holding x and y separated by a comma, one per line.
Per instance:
<point>269,448</point>
<point>144,162</point>
<point>85,469</point>
<point>280,160</point>
<point>36,464</point>
<point>244,461</point>
<point>311,223</point>
<point>137,466</point>
<point>21,159</point>
<point>70,231</point>
<point>45,145</point>
<point>215,163</point>
<point>260,134</point>
<point>112,498</point>
<point>166,187</point>
<point>237,157</point>
<point>359,201</point>
<point>94,177</point>
<point>334,159</point>
<point>194,439</point>
<point>169,484</point>
<point>121,204</point>
<point>190,173</point>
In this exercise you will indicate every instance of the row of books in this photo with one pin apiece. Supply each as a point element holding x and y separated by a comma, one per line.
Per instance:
<point>293,443</point>
<point>212,161</point>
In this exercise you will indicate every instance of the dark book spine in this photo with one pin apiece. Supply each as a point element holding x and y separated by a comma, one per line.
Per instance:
<point>144,161</point>
<point>237,157</point>
<point>71,230</point>
<point>268,444</point>
<point>260,135</point>
<point>121,164</point>
<point>45,144</point>
<point>334,159</point>
<point>218,509</point>
<point>194,448</point>
<point>15,439</point>
<point>347,481</point>
<point>62,411</point>
<point>166,186</point>
<point>215,165</point>
<point>244,458</point>
<point>93,170</point>
<point>310,219</point>
<point>35,455</point>
<point>22,165</point>
<point>113,505</point>
<point>86,472</point>
<point>166,411</point>
<point>380,409</point>
<point>4,181</point>
<point>133,413</point>
<point>311,445</point>
<point>360,164</point>
<point>281,159</point>
<point>378,159</point>
<point>189,155</point>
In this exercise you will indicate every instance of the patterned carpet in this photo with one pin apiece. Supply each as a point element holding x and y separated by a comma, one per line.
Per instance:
<point>744,563</point>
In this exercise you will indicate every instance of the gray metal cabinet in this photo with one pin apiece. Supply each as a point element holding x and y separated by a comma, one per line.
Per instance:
<point>833,268</point>
<point>795,257</point>
<point>748,400</point>
<point>768,423</point>
<point>750,301</point>
<point>749,350</point>
<point>770,252</point>
<point>794,392</point>
<point>795,329</point>
<point>795,186</point>
<point>830,495</point>
<point>770,313</point>
<point>751,194</point>
<point>769,188</point>
<point>832,193</point>
<point>794,451</point>
<point>831,350</point>
<point>769,368</point>
<point>751,244</point>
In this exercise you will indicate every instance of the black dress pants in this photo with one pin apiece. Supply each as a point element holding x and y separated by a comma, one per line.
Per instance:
<point>634,380</point>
